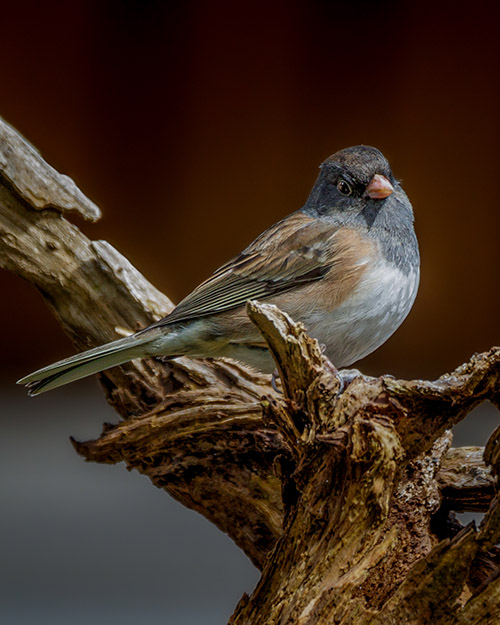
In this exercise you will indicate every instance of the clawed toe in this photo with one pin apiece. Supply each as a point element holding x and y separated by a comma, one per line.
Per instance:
<point>274,377</point>
<point>345,377</point>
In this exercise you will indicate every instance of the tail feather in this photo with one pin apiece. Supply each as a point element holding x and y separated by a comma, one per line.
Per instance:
<point>85,364</point>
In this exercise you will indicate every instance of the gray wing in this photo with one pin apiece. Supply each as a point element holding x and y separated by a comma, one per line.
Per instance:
<point>292,252</point>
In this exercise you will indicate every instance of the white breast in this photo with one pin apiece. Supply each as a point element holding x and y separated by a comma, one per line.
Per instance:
<point>379,304</point>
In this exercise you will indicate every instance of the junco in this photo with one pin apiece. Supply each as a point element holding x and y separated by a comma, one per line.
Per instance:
<point>346,265</point>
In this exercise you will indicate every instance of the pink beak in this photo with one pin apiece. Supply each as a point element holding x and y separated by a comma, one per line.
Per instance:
<point>379,188</point>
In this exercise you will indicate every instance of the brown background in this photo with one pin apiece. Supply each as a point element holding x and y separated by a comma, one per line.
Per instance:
<point>194,125</point>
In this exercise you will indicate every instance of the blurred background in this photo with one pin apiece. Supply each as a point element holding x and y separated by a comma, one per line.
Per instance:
<point>194,125</point>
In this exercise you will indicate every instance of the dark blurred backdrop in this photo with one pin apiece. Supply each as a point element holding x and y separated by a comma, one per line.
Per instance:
<point>194,125</point>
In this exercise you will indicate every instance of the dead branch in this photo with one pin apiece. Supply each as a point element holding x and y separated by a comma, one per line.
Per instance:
<point>345,500</point>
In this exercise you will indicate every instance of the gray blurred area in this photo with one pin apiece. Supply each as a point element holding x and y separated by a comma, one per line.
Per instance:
<point>87,543</point>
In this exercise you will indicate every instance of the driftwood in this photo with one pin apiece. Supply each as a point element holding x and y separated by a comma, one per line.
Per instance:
<point>344,500</point>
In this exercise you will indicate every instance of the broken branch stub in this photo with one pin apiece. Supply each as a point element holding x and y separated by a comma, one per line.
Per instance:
<point>36,182</point>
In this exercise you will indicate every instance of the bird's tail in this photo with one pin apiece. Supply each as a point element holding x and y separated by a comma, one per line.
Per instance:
<point>86,363</point>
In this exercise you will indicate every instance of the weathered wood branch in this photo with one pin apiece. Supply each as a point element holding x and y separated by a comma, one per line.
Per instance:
<point>343,499</point>
<point>356,545</point>
<point>465,481</point>
<point>96,295</point>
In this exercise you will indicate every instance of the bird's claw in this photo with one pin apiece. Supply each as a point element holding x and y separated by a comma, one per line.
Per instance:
<point>345,377</point>
<point>275,376</point>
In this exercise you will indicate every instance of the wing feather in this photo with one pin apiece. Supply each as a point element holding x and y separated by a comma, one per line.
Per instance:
<point>292,252</point>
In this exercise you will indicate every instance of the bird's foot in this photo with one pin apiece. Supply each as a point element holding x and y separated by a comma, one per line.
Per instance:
<point>275,376</point>
<point>346,376</point>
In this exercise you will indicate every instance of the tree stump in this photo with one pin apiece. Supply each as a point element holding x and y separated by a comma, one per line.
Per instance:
<point>344,498</point>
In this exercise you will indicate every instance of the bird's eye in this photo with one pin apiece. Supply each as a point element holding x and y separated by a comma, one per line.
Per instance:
<point>344,187</point>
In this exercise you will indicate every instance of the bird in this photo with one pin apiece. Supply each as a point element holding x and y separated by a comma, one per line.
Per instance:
<point>346,265</point>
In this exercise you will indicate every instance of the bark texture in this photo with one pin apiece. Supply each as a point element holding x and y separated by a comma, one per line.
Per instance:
<point>344,500</point>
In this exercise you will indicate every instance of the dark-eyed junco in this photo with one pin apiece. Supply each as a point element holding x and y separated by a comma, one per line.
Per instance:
<point>346,265</point>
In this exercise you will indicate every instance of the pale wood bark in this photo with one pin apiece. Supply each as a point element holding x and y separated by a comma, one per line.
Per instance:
<point>344,500</point>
